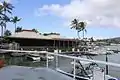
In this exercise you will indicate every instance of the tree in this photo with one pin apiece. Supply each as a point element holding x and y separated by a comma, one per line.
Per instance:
<point>18,29</point>
<point>15,19</point>
<point>79,26</point>
<point>5,10</point>
<point>83,28</point>
<point>7,7</point>
<point>35,30</point>
<point>91,39</point>
<point>7,33</point>
<point>1,17</point>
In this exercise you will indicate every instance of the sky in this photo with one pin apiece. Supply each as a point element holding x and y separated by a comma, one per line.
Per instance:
<point>102,16</point>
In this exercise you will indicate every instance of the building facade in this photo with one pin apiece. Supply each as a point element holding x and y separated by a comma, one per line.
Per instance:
<point>29,38</point>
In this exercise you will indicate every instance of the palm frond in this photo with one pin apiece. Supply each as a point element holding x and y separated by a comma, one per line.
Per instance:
<point>9,11</point>
<point>7,7</point>
<point>74,24</point>
<point>15,19</point>
<point>19,19</point>
<point>10,6</point>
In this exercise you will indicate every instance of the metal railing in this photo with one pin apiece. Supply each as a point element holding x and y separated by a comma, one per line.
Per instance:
<point>66,56</point>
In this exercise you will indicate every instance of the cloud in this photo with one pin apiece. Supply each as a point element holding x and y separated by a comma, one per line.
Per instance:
<point>95,12</point>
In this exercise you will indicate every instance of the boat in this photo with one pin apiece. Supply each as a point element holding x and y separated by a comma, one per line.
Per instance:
<point>100,51</point>
<point>33,57</point>
<point>50,57</point>
<point>45,57</point>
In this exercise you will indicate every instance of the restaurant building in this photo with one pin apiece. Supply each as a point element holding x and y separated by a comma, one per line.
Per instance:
<point>29,38</point>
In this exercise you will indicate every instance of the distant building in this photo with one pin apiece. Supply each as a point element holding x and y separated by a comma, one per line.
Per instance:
<point>32,39</point>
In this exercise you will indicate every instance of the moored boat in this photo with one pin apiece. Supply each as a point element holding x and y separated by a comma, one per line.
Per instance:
<point>33,57</point>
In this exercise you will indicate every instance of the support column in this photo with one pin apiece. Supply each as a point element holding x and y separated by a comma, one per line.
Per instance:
<point>76,43</point>
<point>63,44</point>
<point>59,43</point>
<point>68,44</point>
<point>54,44</point>
<point>72,44</point>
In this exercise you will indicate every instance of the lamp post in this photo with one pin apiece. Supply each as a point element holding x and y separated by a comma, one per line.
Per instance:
<point>106,65</point>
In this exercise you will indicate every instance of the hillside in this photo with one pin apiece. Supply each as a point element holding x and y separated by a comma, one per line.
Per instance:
<point>111,40</point>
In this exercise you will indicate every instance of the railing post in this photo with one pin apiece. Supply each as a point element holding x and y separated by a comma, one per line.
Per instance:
<point>107,65</point>
<point>56,61</point>
<point>47,60</point>
<point>78,50</point>
<point>73,49</point>
<point>74,70</point>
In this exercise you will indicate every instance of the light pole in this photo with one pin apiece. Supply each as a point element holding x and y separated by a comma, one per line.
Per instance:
<point>106,65</point>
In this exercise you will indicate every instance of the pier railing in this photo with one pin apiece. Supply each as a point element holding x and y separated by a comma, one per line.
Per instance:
<point>56,54</point>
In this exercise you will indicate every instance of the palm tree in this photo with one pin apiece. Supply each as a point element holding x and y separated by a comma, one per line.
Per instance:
<point>18,29</point>
<point>1,22</point>
<point>91,39</point>
<point>7,33</point>
<point>79,26</point>
<point>35,30</point>
<point>15,19</point>
<point>83,28</point>
<point>7,8</point>
<point>75,25</point>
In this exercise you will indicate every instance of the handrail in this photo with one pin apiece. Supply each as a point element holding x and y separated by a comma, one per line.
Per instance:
<point>71,57</point>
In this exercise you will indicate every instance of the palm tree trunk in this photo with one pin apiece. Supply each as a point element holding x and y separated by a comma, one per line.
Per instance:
<point>1,31</point>
<point>15,27</point>
<point>78,34</point>
<point>4,29</point>
<point>83,34</point>
<point>5,23</point>
<point>78,38</point>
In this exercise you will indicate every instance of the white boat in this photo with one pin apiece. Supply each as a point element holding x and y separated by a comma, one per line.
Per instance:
<point>33,57</point>
<point>37,57</point>
<point>50,57</point>
<point>101,51</point>
<point>44,57</point>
